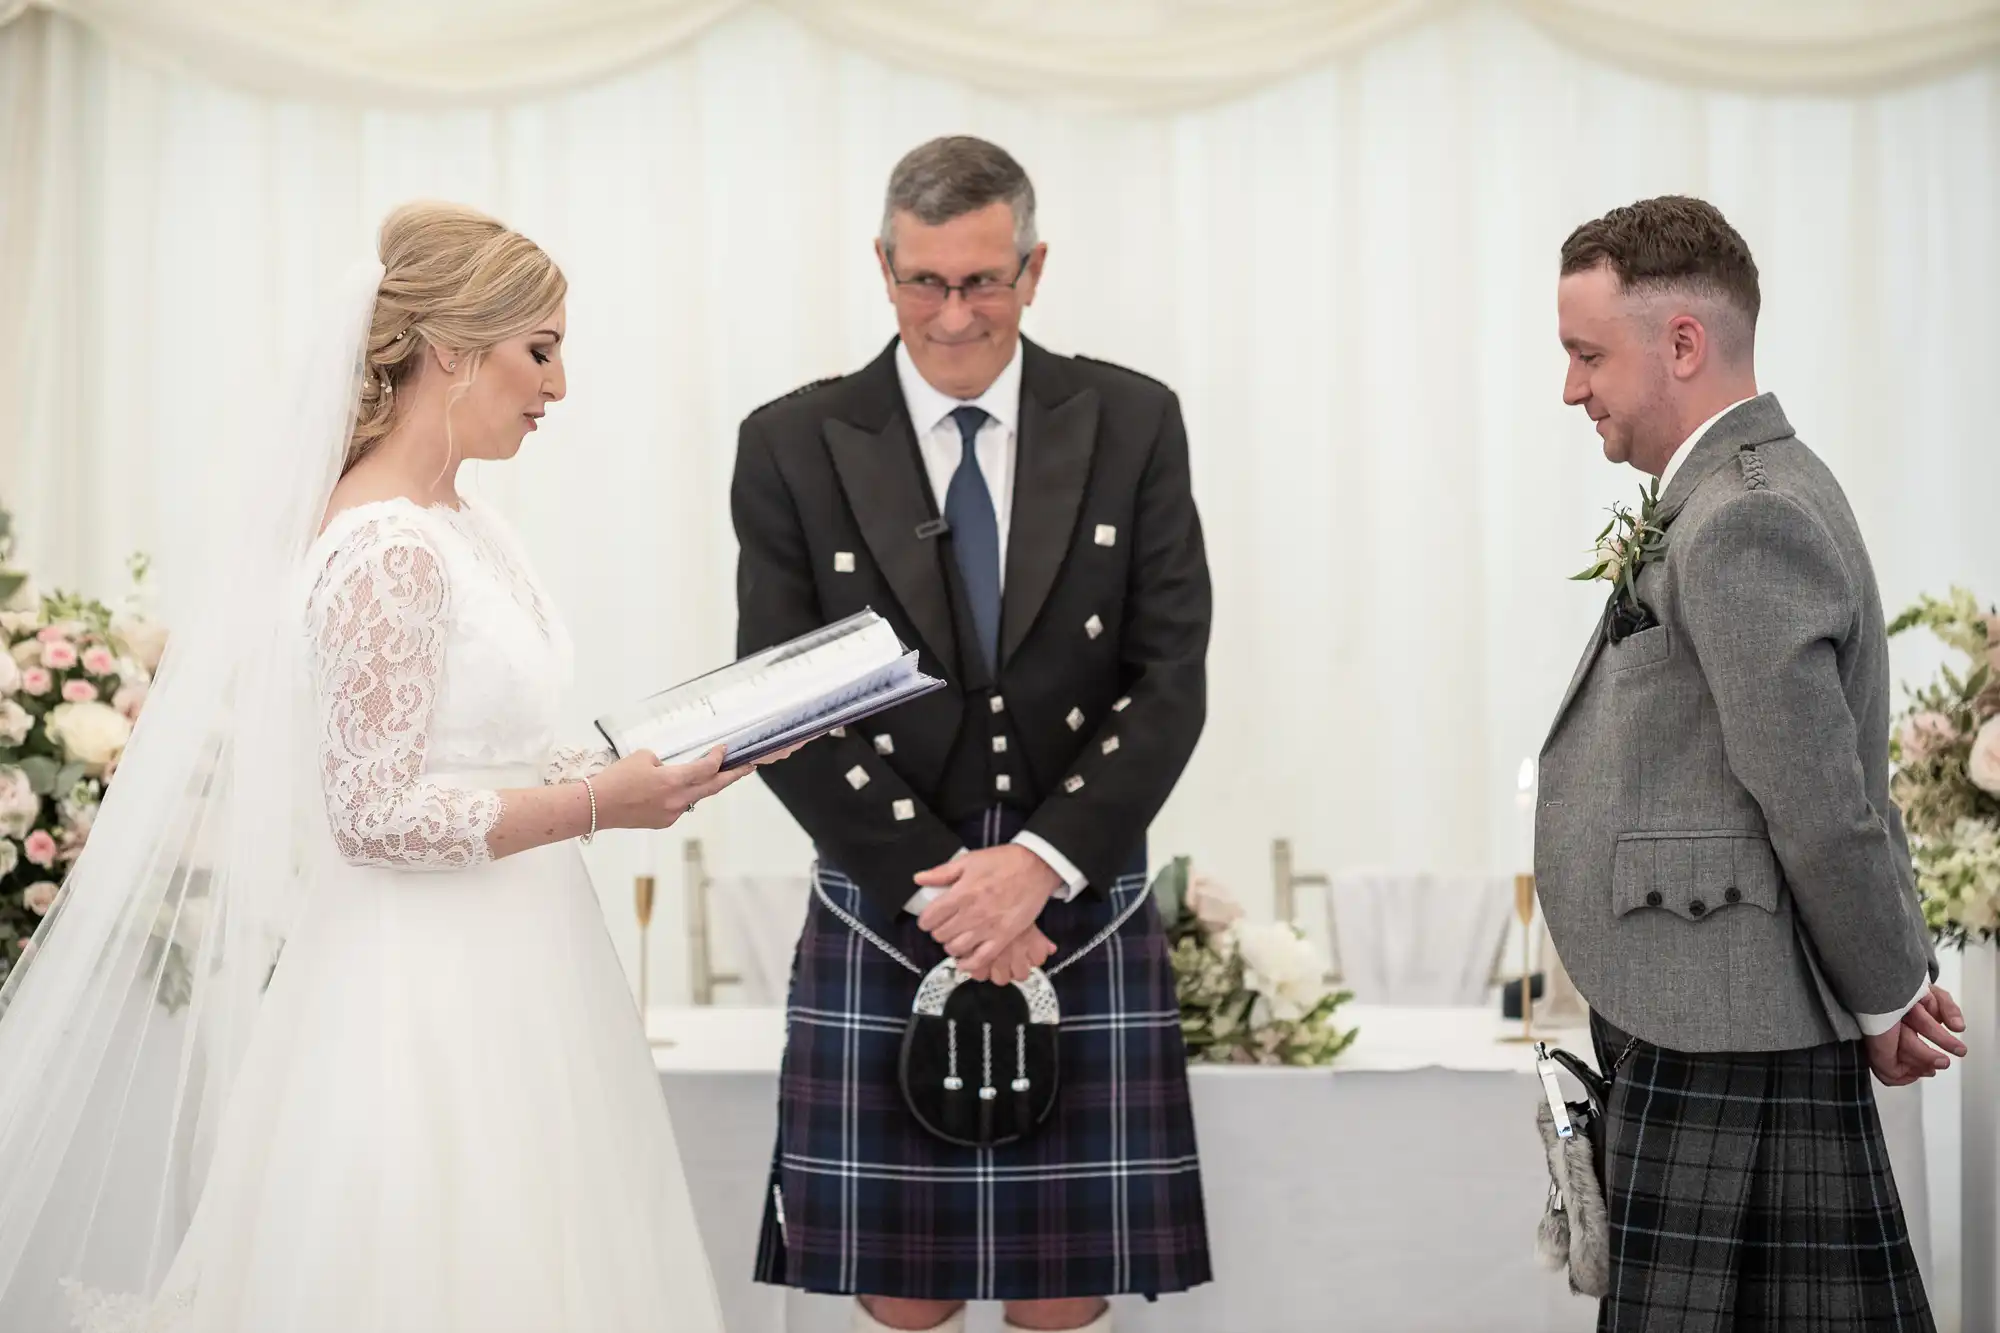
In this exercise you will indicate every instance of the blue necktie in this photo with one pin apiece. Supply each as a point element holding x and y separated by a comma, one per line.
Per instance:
<point>975,535</point>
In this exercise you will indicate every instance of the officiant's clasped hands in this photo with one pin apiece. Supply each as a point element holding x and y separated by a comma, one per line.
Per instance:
<point>986,915</point>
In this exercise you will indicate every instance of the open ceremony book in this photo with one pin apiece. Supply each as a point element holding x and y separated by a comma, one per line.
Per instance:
<point>794,691</point>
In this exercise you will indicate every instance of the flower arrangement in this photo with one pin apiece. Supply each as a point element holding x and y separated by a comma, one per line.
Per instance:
<point>1946,751</point>
<point>73,676</point>
<point>1250,992</point>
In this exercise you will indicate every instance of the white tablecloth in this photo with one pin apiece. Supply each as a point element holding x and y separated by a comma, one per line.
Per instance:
<point>1397,1191</point>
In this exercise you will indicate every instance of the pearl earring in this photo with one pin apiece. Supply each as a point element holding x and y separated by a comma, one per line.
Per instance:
<point>451,365</point>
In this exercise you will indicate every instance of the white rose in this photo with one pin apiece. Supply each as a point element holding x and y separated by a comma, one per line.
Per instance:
<point>15,721</point>
<point>1984,766</point>
<point>1979,914</point>
<point>144,639</point>
<point>10,674</point>
<point>1281,967</point>
<point>19,806</point>
<point>10,856</point>
<point>91,733</point>
<point>28,653</point>
<point>39,898</point>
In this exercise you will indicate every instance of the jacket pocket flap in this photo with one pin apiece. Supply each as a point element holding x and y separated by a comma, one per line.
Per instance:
<point>1694,875</point>
<point>1641,649</point>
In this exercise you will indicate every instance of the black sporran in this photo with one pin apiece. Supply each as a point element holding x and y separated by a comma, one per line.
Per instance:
<point>980,1063</point>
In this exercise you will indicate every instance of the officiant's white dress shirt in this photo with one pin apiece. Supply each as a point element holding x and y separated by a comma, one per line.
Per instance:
<point>1872,1024</point>
<point>942,448</point>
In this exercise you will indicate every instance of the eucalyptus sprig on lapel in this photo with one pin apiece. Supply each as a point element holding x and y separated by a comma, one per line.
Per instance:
<point>1627,545</point>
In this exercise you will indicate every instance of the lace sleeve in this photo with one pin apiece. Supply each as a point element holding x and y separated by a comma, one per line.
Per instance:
<point>568,763</point>
<point>378,626</point>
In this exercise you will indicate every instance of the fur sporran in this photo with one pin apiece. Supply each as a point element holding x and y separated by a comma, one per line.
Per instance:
<point>1575,1230</point>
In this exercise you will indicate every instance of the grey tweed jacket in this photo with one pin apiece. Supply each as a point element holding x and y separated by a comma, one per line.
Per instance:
<point>1716,852</point>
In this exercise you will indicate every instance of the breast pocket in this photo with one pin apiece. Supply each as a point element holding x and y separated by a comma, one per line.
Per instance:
<point>1641,649</point>
<point>1694,875</point>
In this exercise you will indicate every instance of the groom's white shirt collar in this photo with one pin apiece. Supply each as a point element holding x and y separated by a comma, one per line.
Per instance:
<point>1687,445</point>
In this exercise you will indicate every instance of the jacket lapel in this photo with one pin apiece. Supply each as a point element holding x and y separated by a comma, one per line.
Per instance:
<point>1051,469</point>
<point>889,495</point>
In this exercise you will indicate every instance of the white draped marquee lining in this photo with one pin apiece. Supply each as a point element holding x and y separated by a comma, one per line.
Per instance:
<point>1115,54</point>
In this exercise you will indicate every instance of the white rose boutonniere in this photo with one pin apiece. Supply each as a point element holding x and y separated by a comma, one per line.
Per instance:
<point>1627,545</point>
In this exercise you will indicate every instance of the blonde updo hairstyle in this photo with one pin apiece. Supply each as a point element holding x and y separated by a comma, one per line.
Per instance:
<point>455,279</point>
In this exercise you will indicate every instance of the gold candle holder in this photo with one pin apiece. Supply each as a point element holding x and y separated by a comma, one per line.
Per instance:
<point>643,888</point>
<point>1524,910</point>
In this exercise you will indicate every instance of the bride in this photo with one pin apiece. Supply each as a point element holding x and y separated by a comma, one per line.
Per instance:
<point>325,1032</point>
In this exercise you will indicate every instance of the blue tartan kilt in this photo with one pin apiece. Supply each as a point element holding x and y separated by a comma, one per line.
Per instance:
<point>1104,1199</point>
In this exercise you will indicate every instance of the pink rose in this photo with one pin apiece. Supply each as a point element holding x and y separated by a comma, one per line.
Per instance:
<point>53,634</point>
<point>131,697</point>
<point>41,849</point>
<point>98,661</point>
<point>1924,735</point>
<point>39,897</point>
<point>1214,910</point>
<point>59,656</point>
<point>79,691</point>
<point>1984,766</point>
<point>37,680</point>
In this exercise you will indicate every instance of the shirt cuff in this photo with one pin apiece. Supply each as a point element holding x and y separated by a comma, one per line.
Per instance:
<point>923,898</point>
<point>1072,878</point>
<point>1874,1025</point>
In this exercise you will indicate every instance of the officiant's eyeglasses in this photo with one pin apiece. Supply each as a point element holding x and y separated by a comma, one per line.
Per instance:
<point>982,291</point>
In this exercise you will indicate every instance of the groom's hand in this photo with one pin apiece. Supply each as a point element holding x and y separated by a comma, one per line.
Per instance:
<point>990,899</point>
<point>1922,1044</point>
<point>1028,952</point>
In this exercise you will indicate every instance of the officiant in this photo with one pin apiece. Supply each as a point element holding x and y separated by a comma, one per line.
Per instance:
<point>1026,522</point>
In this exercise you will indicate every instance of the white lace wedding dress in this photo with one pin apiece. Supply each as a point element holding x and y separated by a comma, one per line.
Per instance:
<point>448,1119</point>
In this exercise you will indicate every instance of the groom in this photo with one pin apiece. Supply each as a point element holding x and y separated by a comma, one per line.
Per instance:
<point>1025,521</point>
<point>1716,851</point>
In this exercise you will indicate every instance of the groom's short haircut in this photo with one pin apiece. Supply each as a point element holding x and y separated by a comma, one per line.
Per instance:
<point>1675,244</point>
<point>950,177</point>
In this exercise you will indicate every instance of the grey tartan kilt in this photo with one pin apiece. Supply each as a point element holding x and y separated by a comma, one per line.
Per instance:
<point>1752,1191</point>
<point>1105,1198</point>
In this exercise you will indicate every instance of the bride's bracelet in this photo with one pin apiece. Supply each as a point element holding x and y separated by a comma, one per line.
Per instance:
<point>590,790</point>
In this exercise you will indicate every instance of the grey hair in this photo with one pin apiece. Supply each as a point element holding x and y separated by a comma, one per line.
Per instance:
<point>950,177</point>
